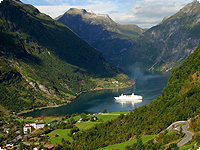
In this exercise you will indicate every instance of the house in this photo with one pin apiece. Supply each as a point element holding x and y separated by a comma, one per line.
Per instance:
<point>27,128</point>
<point>36,148</point>
<point>49,146</point>
<point>2,148</point>
<point>38,125</point>
<point>6,130</point>
<point>95,118</point>
<point>80,120</point>
<point>9,145</point>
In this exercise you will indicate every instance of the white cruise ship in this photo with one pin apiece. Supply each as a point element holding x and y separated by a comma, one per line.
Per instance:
<point>129,98</point>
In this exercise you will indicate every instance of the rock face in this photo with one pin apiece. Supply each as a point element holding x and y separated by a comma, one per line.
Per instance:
<point>101,32</point>
<point>162,47</point>
<point>169,43</point>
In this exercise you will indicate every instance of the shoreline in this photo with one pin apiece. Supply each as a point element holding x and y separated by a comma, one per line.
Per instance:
<point>69,101</point>
<point>40,108</point>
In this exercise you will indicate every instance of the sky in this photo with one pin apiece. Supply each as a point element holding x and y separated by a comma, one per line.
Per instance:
<point>144,13</point>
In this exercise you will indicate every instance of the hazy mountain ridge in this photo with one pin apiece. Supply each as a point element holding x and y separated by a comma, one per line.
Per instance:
<point>101,32</point>
<point>161,47</point>
<point>43,62</point>
<point>170,42</point>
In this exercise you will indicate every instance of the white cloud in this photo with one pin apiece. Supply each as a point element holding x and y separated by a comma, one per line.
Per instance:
<point>144,13</point>
<point>55,11</point>
<point>147,13</point>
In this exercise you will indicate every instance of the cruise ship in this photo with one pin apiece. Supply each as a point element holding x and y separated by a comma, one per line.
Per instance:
<point>129,98</point>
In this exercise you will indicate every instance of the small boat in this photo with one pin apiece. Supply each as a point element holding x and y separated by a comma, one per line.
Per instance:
<point>129,98</point>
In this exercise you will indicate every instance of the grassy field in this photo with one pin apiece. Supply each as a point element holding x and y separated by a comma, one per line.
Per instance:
<point>101,118</point>
<point>107,117</point>
<point>186,147</point>
<point>104,117</point>
<point>40,119</point>
<point>62,133</point>
<point>86,125</point>
<point>121,112</point>
<point>121,146</point>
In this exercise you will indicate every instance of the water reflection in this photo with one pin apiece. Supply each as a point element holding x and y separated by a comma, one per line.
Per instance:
<point>128,103</point>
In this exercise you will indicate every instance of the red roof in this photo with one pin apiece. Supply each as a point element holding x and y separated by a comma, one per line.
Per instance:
<point>49,146</point>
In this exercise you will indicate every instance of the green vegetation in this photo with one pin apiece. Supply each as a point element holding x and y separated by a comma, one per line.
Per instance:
<point>181,124</point>
<point>178,101</point>
<point>86,125</point>
<point>43,63</point>
<point>57,135</point>
<point>40,119</point>
<point>123,145</point>
<point>187,147</point>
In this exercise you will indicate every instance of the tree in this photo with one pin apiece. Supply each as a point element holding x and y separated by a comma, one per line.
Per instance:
<point>73,130</point>
<point>21,126</point>
<point>21,145</point>
<point>104,110</point>
<point>72,121</point>
<point>181,129</point>
<point>28,131</point>
<point>84,117</point>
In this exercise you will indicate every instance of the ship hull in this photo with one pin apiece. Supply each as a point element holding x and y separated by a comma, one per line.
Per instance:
<point>129,98</point>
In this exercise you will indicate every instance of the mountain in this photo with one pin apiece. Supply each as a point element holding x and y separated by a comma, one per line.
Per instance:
<point>44,63</point>
<point>161,47</point>
<point>168,44</point>
<point>101,32</point>
<point>178,101</point>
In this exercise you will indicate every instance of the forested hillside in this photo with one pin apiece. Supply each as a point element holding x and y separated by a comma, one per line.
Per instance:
<point>180,100</point>
<point>43,63</point>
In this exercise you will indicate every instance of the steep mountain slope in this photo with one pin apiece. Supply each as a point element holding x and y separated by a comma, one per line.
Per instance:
<point>180,100</point>
<point>169,43</point>
<point>101,32</point>
<point>43,63</point>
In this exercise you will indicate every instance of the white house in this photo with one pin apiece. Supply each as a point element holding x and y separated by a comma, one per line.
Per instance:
<point>9,145</point>
<point>37,125</point>
<point>27,128</point>
<point>6,130</point>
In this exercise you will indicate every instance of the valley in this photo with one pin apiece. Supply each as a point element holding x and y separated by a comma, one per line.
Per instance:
<point>63,74</point>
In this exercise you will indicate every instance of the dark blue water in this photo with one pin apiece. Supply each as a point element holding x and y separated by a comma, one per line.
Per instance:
<point>147,84</point>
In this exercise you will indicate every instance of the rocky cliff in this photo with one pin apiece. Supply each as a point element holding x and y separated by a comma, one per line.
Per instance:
<point>166,45</point>
<point>101,32</point>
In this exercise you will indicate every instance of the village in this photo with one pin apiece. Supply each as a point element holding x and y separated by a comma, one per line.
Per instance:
<point>45,133</point>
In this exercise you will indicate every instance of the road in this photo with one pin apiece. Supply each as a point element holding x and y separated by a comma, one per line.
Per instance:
<point>189,134</point>
<point>188,137</point>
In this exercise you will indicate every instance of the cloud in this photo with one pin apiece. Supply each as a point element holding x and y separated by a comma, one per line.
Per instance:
<point>144,13</point>
<point>148,13</point>
<point>55,11</point>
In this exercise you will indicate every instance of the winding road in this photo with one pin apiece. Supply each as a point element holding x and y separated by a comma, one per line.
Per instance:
<point>189,134</point>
